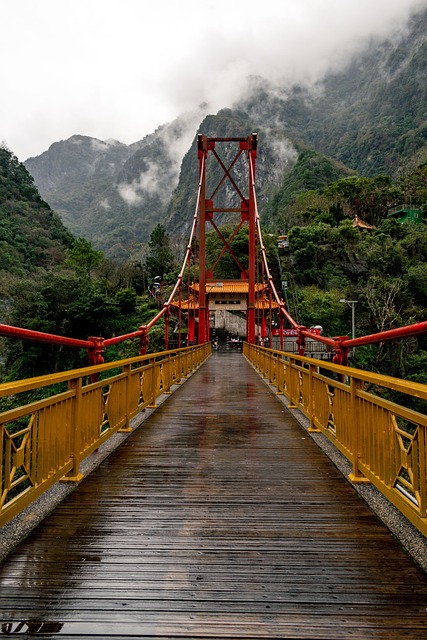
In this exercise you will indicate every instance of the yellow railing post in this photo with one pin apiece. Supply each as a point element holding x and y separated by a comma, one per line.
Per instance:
<point>74,475</point>
<point>357,444</point>
<point>126,427</point>
<point>280,375</point>
<point>422,471</point>
<point>291,390</point>
<point>167,374</point>
<point>155,375</point>
<point>311,400</point>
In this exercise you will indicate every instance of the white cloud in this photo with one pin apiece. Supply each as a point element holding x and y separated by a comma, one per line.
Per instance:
<point>105,204</point>
<point>155,180</point>
<point>120,68</point>
<point>130,194</point>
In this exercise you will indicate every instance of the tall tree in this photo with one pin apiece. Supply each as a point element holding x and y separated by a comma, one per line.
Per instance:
<point>83,257</point>
<point>160,260</point>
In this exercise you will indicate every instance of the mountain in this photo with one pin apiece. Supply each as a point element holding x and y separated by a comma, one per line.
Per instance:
<point>275,158</point>
<point>80,178</point>
<point>32,236</point>
<point>369,118</point>
<point>111,193</point>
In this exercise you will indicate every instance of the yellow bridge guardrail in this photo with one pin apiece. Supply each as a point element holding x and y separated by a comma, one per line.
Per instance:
<point>45,441</point>
<point>384,441</point>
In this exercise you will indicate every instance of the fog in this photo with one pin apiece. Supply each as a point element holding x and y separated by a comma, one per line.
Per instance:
<point>120,68</point>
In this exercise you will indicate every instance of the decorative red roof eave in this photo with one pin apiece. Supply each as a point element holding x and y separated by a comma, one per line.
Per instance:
<point>228,286</point>
<point>194,304</point>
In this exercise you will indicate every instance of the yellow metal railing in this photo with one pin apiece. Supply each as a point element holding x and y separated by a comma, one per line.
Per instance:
<point>385,441</point>
<point>45,441</point>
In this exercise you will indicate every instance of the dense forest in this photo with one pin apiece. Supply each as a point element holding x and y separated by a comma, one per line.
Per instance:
<point>383,268</point>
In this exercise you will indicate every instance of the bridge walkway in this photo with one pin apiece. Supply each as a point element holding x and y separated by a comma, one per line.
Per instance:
<point>218,518</point>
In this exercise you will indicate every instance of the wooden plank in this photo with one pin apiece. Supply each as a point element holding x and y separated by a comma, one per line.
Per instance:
<point>218,518</point>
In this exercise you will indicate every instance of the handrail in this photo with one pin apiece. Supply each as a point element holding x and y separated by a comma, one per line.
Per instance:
<point>385,441</point>
<point>40,336</point>
<point>44,441</point>
<point>419,328</point>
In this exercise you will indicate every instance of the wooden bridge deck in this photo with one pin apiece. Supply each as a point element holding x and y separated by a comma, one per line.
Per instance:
<point>218,518</point>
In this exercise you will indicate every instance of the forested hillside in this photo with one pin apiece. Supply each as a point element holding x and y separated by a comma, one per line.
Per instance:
<point>371,116</point>
<point>381,265</point>
<point>32,236</point>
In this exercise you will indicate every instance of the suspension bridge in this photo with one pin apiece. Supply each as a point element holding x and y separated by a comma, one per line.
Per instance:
<point>218,516</point>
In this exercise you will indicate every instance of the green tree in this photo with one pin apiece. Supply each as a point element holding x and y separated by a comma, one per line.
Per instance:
<point>83,257</point>
<point>324,308</point>
<point>160,260</point>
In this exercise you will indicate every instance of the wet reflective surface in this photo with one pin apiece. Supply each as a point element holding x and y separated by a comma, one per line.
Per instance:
<point>218,518</point>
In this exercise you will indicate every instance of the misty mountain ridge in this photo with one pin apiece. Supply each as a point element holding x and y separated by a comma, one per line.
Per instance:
<point>112,193</point>
<point>368,118</point>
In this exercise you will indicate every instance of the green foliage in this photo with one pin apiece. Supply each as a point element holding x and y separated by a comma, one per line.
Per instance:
<point>311,173</point>
<point>126,300</point>
<point>160,260</point>
<point>31,235</point>
<point>322,307</point>
<point>65,304</point>
<point>83,257</point>
<point>384,269</point>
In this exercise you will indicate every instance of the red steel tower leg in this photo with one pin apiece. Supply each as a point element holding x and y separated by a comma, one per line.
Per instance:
<point>202,153</point>
<point>252,146</point>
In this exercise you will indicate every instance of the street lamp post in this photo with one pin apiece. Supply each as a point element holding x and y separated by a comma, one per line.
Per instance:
<point>352,304</point>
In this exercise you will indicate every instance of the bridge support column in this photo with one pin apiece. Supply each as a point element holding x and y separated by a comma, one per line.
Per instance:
<point>191,327</point>
<point>252,149</point>
<point>96,354</point>
<point>143,341</point>
<point>202,153</point>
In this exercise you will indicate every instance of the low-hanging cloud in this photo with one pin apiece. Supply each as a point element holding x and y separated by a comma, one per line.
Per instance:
<point>120,68</point>
<point>147,184</point>
<point>313,38</point>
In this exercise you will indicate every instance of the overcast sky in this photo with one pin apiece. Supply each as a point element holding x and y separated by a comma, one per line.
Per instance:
<point>120,68</point>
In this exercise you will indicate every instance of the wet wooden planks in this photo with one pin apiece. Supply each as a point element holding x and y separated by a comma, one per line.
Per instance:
<point>219,518</point>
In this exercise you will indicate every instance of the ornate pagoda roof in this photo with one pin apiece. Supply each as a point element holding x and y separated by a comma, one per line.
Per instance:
<point>228,286</point>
